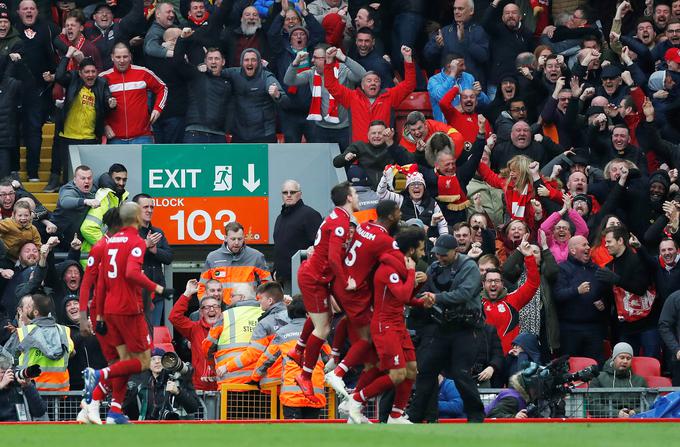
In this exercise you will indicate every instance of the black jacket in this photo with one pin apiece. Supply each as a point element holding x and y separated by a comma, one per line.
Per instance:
<point>634,277</point>
<point>10,397</point>
<point>10,98</point>
<point>38,52</point>
<point>72,82</point>
<point>295,229</point>
<point>208,95</point>
<point>153,262</point>
<point>505,44</point>
<point>669,323</point>
<point>146,397</point>
<point>574,308</point>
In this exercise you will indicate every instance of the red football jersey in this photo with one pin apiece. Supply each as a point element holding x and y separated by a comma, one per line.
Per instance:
<point>89,283</point>
<point>329,247</point>
<point>121,273</point>
<point>370,241</point>
<point>393,289</point>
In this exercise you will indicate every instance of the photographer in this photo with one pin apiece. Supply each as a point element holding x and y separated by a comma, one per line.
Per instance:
<point>19,400</point>
<point>447,339</point>
<point>157,394</point>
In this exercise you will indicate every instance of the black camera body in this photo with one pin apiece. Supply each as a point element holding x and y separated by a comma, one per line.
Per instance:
<point>547,385</point>
<point>176,369</point>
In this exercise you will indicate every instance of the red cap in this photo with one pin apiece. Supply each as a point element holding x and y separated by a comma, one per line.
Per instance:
<point>672,55</point>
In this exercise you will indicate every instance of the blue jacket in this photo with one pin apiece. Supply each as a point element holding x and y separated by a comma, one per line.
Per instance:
<point>572,307</point>
<point>474,48</point>
<point>450,402</point>
<point>441,83</point>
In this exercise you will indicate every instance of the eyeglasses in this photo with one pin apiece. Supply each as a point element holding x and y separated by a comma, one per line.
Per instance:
<point>7,194</point>
<point>672,31</point>
<point>518,109</point>
<point>289,193</point>
<point>210,306</point>
<point>494,281</point>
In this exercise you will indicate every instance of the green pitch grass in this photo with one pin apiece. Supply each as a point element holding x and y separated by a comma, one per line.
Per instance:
<point>342,435</point>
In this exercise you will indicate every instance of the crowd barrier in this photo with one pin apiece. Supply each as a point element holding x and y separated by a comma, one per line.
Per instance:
<point>247,402</point>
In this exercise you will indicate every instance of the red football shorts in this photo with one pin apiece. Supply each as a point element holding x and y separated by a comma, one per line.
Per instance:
<point>394,347</point>
<point>129,330</point>
<point>108,350</point>
<point>355,303</point>
<point>315,295</point>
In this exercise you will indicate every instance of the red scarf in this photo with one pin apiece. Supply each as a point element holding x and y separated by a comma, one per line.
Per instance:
<point>199,22</point>
<point>72,63</point>
<point>518,203</point>
<point>450,192</point>
<point>315,106</point>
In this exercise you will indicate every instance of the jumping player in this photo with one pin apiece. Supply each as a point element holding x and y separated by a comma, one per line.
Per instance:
<point>315,277</point>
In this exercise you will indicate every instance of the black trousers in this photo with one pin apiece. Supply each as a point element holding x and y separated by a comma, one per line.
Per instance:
<point>450,351</point>
<point>301,412</point>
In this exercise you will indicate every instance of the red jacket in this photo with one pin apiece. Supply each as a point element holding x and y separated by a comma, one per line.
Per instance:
<point>503,314</point>
<point>130,118</point>
<point>361,110</point>
<point>465,123</point>
<point>195,332</point>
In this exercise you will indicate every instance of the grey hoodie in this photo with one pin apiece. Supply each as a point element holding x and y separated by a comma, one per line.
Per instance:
<point>49,338</point>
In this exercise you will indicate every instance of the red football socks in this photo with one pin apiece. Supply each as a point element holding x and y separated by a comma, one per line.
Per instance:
<point>401,397</point>
<point>101,390</point>
<point>314,345</point>
<point>367,376</point>
<point>123,368</point>
<point>355,356</point>
<point>119,385</point>
<point>339,337</point>
<point>304,335</point>
<point>375,388</point>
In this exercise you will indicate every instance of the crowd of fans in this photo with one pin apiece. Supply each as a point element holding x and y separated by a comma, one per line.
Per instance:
<point>549,152</point>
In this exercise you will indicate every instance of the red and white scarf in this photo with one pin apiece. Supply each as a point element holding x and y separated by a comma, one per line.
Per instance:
<point>315,106</point>
<point>519,202</point>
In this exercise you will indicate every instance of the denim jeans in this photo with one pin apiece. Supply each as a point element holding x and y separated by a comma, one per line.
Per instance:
<point>195,137</point>
<point>169,130</point>
<point>144,139</point>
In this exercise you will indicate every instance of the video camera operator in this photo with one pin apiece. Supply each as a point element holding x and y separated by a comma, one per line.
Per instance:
<point>538,391</point>
<point>19,399</point>
<point>447,338</point>
<point>160,393</point>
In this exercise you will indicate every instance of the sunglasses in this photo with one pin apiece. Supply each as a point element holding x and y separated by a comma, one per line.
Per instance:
<point>289,193</point>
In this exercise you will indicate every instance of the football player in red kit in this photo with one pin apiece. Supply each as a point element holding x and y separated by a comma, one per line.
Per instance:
<point>89,413</point>
<point>371,240</point>
<point>315,277</point>
<point>121,318</point>
<point>394,283</point>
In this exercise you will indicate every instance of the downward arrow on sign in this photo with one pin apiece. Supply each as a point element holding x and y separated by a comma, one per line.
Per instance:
<point>251,184</point>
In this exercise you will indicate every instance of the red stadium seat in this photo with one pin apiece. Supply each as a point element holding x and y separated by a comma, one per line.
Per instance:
<point>161,334</point>
<point>658,382</point>
<point>646,366</point>
<point>419,101</point>
<point>578,363</point>
<point>167,347</point>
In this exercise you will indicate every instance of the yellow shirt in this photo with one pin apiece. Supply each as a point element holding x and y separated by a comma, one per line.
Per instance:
<point>81,116</point>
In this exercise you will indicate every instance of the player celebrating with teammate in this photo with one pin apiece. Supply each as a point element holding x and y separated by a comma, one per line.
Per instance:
<point>315,277</point>
<point>371,240</point>
<point>394,284</point>
<point>121,318</point>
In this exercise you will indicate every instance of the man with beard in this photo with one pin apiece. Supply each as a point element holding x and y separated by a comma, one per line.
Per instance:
<point>373,156</point>
<point>502,308</point>
<point>464,120</point>
<point>580,300</point>
<point>111,194</point>
<point>453,74</point>
<point>661,16</point>
<point>507,38</point>
<point>87,102</point>
<point>249,34</point>
<point>196,331</point>
<point>372,240</point>
<point>257,95</point>
<point>522,143</point>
